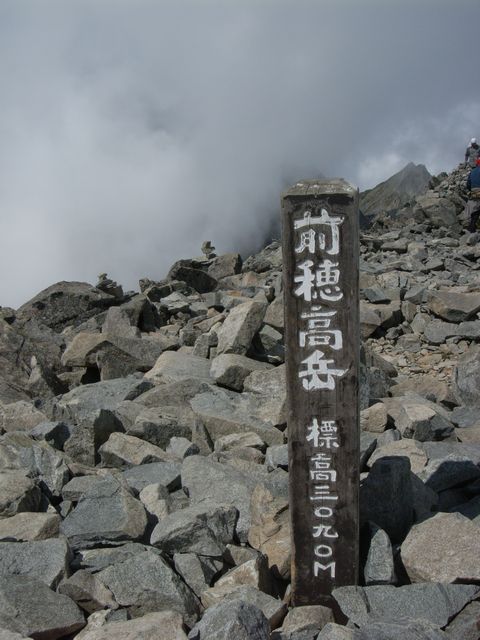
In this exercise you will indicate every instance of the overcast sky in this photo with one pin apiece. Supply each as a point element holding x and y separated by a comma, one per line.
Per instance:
<point>132,130</point>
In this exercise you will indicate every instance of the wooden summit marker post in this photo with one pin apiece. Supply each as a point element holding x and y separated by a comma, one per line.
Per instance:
<point>320,261</point>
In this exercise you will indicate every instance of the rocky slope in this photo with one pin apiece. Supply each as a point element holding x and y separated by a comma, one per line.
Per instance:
<point>143,458</point>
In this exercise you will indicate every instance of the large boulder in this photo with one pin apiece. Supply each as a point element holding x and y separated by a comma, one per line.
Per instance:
<point>46,560</point>
<point>144,628</point>
<point>66,303</point>
<point>29,607</point>
<point>145,582</point>
<point>444,548</point>
<point>106,514</point>
<point>453,305</point>
<point>239,327</point>
<point>231,619</point>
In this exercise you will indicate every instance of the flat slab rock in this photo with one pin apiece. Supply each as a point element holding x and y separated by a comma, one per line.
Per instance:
<point>430,602</point>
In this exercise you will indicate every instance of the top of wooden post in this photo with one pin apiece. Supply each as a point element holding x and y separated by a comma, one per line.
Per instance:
<point>320,187</point>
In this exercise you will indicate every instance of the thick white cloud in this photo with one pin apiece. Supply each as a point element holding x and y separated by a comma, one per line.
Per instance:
<point>132,131</point>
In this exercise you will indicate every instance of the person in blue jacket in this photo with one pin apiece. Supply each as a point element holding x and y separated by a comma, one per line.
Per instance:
<point>473,204</point>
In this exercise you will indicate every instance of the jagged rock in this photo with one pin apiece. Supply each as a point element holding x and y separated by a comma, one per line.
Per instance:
<point>92,431</point>
<point>231,619</point>
<point>450,471</point>
<point>47,466</point>
<point>172,366</point>
<point>165,473</point>
<point>332,631</point>
<point>87,591</point>
<point>156,500</point>
<point>453,305</point>
<point>426,386</point>
<point>239,327</point>
<point>81,402</point>
<point>239,441</point>
<point>29,607</point>
<point>54,433</point>
<point>190,272</point>
<point>277,457</point>
<point>467,377</point>
<point>442,549</point>
<point>197,571</point>
<point>304,618</point>
<point>144,628</point>
<point>46,560</point>
<point>28,526</point>
<point>205,479</point>
<point>269,531</point>
<point>225,265</point>
<point>160,424</point>
<point>77,486</point>
<point>374,418</point>
<point>386,497</point>
<point>370,320</point>
<point>121,449</point>
<point>253,573</point>
<point>225,412</point>
<point>465,625</point>
<point>106,514</point>
<point>272,608</point>
<point>205,529</point>
<point>379,566</point>
<point>274,316</point>
<point>230,369</point>
<point>20,416</point>
<point>429,602</point>
<point>182,448</point>
<point>17,493</point>
<point>144,583</point>
<point>64,304</point>
<point>422,422</point>
<point>441,212</point>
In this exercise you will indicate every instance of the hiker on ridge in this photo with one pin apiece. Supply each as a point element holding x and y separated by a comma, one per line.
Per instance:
<point>472,153</point>
<point>473,204</point>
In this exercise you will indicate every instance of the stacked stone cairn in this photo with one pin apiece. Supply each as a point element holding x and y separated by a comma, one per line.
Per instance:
<point>143,455</point>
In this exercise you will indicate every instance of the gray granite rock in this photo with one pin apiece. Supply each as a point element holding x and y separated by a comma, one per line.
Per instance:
<point>430,602</point>
<point>204,529</point>
<point>466,381</point>
<point>224,412</point>
<point>46,560</point>
<point>379,566</point>
<point>165,473</point>
<point>230,369</point>
<point>29,607</point>
<point>17,493</point>
<point>406,630</point>
<point>466,624</point>
<point>239,327</point>
<point>28,527</point>
<point>106,514</point>
<point>205,479</point>
<point>123,450</point>
<point>144,628</point>
<point>231,619</point>
<point>176,365</point>
<point>145,582</point>
<point>197,571</point>
<point>87,591</point>
<point>444,548</point>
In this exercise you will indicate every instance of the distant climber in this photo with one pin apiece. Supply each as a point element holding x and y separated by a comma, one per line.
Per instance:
<point>473,205</point>
<point>472,153</point>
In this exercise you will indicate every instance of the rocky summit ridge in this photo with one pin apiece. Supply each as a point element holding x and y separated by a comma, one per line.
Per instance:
<point>143,455</point>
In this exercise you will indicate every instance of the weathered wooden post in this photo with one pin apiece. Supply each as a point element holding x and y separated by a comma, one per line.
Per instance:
<point>320,261</point>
